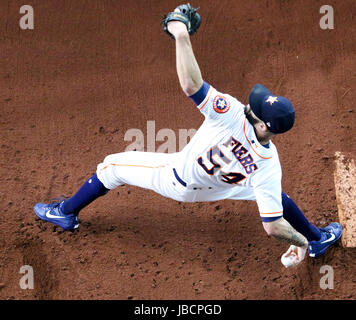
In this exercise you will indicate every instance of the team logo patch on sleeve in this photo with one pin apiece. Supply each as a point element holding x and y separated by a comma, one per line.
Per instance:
<point>220,104</point>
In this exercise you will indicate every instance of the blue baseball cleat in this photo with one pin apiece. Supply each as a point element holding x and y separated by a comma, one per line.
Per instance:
<point>52,213</point>
<point>329,235</point>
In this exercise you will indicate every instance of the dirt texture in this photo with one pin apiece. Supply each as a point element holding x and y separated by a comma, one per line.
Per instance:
<point>345,183</point>
<point>90,71</point>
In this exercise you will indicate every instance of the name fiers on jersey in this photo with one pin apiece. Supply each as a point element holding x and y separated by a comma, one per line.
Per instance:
<point>242,155</point>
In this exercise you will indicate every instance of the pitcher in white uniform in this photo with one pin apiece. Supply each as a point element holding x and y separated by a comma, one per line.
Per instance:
<point>231,156</point>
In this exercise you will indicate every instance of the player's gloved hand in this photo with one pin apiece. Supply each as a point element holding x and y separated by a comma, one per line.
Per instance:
<point>186,14</point>
<point>296,254</point>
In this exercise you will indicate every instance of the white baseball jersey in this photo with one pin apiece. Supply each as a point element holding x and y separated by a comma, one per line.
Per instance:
<point>224,160</point>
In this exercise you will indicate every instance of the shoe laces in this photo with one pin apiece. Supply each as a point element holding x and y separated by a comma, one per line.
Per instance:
<point>56,202</point>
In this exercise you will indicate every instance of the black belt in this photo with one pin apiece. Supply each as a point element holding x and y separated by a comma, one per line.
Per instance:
<point>182,182</point>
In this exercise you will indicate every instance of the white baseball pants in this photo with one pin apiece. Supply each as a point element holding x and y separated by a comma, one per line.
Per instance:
<point>154,171</point>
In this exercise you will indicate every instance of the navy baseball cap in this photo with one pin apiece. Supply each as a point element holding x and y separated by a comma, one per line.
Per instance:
<point>275,111</point>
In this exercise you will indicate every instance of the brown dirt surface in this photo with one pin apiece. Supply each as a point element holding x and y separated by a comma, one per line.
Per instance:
<point>91,70</point>
<point>345,183</point>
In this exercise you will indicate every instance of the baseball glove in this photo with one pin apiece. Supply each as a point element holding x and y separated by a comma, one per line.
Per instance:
<point>187,14</point>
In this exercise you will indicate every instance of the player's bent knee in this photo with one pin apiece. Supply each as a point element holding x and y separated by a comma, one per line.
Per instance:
<point>107,171</point>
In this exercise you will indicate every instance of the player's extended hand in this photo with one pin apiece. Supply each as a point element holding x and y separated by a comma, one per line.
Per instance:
<point>296,254</point>
<point>176,27</point>
<point>183,16</point>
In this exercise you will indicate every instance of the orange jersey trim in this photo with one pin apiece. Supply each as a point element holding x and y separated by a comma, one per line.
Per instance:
<point>251,143</point>
<point>129,165</point>
<point>211,91</point>
<point>271,212</point>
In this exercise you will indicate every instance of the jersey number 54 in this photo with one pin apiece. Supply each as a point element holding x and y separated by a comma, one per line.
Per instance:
<point>212,165</point>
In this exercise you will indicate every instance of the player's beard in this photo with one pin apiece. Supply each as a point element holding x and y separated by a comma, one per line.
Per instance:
<point>251,119</point>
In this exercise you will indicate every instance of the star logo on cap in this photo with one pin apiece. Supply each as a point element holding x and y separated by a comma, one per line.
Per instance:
<point>271,100</point>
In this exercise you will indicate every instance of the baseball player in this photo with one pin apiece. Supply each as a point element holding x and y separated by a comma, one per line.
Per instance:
<point>231,156</point>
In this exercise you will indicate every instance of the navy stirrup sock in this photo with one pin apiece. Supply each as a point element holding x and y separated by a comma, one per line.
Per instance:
<point>88,192</point>
<point>298,221</point>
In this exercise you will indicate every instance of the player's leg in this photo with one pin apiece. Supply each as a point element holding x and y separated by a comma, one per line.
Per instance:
<point>134,168</point>
<point>297,219</point>
<point>64,213</point>
<point>139,169</point>
<point>319,239</point>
